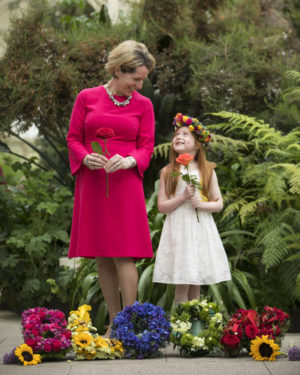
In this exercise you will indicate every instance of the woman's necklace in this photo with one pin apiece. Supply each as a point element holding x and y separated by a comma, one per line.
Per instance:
<point>115,101</point>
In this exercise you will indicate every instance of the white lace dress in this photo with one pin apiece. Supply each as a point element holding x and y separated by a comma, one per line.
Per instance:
<point>190,252</point>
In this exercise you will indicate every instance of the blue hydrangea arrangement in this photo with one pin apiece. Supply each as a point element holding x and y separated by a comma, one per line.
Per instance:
<point>143,329</point>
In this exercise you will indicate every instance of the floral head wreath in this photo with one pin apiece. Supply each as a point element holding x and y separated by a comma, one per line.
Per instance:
<point>202,134</point>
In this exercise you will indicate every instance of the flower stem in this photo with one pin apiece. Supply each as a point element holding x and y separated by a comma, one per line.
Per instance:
<point>188,171</point>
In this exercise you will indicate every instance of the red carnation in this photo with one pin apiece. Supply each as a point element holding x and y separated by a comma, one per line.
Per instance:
<point>231,341</point>
<point>105,133</point>
<point>31,342</point>
<point>184,159</point>
<point>251,331</point>
<point>56,345</point>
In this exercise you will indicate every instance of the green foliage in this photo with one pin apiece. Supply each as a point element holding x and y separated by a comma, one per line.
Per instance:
<point>35,235</point>
<point>262,200</point>
<point>287,105</point>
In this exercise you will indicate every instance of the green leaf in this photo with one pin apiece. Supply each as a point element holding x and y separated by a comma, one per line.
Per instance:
<point>186,178</point>
<point>145,283</point>
<point>49,207</point>
<point>97,148</point>
<point>101,316</point>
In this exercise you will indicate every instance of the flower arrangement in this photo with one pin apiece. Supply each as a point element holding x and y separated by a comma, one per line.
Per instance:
<point>104,134</point>
<point>294,353</point>
<point>86,342</point>
<point>143,329</point>
<point>246,325</point>
<point>197,326</point>
<point>45,332</point>
<point>22,355</point>
<point>202,134</point>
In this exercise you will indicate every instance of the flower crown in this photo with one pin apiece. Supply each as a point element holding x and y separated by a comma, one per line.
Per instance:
<point>202,134</point>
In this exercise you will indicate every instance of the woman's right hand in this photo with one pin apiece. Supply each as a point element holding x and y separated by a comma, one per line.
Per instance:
<point>189,191</point>
<point>94,161</point>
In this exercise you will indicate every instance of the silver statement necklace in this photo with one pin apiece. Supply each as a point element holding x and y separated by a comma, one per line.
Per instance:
<point>114,100</point>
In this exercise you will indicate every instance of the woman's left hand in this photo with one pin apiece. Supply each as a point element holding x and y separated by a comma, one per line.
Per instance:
<point>117,162</point>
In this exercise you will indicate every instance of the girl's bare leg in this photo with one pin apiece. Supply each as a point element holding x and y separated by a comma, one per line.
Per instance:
<point>181,293</point>
<point>109,283</point>
<point>194,292</point>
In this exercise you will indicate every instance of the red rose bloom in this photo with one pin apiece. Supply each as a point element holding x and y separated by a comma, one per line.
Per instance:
<point>105,133</point>
<point>231,341</point>
<point>184,159</point>
<point>251,331</point>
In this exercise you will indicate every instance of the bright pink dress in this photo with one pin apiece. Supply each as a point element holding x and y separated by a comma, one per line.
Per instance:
<point>117,225</point>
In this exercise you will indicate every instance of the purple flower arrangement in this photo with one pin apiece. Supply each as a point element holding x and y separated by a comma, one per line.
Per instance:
<point>294,353</point>
<point>143,329</point>
<point>45,332</point>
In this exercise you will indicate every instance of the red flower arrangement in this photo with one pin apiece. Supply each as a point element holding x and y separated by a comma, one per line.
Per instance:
<point>104,134</point>
<point>245,325</point>
<point>45,332</point>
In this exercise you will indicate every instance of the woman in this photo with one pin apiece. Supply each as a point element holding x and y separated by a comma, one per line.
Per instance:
<point>110,221</point>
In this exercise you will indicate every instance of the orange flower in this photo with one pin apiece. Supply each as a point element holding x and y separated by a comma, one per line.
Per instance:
<point>184,159</point>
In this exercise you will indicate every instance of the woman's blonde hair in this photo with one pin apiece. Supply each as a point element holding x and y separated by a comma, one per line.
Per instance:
<point>128,56</point>
<point>205,167</point>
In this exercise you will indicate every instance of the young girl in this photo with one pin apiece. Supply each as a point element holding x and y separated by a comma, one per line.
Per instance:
<point>190,252</point>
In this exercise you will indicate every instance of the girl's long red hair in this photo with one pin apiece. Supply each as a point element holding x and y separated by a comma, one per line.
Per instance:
<point>205,167</point>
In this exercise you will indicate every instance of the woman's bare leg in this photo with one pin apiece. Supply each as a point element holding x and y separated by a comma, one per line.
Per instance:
<point>194,292</point>
<point>109,283</point>
<point>181,293</point>
<point>128,279</point>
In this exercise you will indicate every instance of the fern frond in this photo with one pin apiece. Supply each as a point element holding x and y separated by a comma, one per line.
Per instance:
<point>236,206</point>
<point>162,150</point>
<point>275,249</point>
<point>250,207</point>
<point>247,125</point>
<point>221,142</point>
<point>233,207</point>
<point>293,175</point>
<point>291,94</point>
<point>275,187</point>
<point>294,75</point>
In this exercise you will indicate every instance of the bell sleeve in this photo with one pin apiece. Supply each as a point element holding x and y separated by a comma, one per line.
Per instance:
<point>145,139</point>
<point>75,137</point>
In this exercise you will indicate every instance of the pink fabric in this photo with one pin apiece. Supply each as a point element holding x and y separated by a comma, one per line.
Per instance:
<point>116,226</point>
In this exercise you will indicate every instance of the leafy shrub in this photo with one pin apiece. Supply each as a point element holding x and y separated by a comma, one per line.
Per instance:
<point>37,219</point>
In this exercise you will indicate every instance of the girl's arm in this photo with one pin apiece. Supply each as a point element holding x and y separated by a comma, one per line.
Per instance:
<point>166,205</point>
<point>216,204</point>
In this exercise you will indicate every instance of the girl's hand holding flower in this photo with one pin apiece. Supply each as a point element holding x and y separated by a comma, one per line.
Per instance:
<point>189,191</point>
<point>196,202</point>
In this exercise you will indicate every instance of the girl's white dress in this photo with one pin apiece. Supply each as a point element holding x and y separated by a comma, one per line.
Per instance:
<point>190,252</point>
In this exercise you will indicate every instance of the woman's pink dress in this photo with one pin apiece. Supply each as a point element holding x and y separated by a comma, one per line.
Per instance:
<point>117,225</point>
